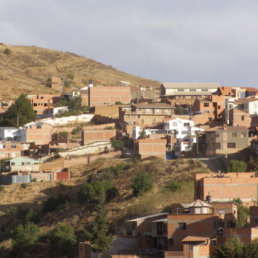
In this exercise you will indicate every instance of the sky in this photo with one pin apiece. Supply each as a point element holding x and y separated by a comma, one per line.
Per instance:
<point>165,40</point>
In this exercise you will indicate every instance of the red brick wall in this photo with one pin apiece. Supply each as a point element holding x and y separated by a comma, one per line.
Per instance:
<point>89,136</point>
<point>101,95</point>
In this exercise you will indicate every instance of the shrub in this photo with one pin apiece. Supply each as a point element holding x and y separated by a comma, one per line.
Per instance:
<point>49,82</point>
<point>141,183</point>
<point>52,203</point>
<point>70,76</point>
<point>236,166</point>
<point>111,193</point>
<point>1,188</point>
<point>118,145</point>
<point>24,185</point>
<point>7,51</point>
<point>118,103</point>
<point>174,186</point>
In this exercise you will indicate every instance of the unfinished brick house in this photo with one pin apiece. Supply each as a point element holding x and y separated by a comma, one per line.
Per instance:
<point>226,187</point>
<point>150,147</point>
<point>56,83</point>
<point>104,95</point>
<point>223,140</point>
<point>145,114</point>
<point>41,103</point>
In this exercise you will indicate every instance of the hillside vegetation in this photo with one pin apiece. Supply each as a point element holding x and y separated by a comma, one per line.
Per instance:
<point>122,206</point>
<point>26,69</point>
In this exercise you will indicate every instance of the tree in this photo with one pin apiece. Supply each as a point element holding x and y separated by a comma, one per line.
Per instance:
<point>236,166</point>
<point>24,236</point>
<point>49,82</point>
<point>232,248</point>
<point>101,236</point>
<point>141,183</point>
<point>118,145</point>
<point>19,113</point>
<point>62,240</point>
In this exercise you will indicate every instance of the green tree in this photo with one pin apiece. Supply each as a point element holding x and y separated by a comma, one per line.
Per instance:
<point>101,236</point>
<point>251,250</point>
<point>236,166</point>
<point>23,237</point>
<point>118,144</point>
<point>62,240</point>
<point>19,113</point>
<point>141,183</point>
<point>233,248</point>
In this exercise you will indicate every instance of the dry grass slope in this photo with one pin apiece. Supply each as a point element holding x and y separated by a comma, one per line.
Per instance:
<point>26,70</point>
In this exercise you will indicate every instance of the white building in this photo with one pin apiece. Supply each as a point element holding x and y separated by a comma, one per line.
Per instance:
<point>12,134</point>
<point>182,130</point>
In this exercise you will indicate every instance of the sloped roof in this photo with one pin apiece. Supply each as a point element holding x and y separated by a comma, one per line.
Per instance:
<point>188,85</point>
<point>199,203</point>
<point>195,239</point>
<point>147,217</point>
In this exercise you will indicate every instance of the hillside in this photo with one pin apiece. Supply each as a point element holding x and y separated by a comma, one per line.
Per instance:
<point>26,69</point>
<point>122,207</point>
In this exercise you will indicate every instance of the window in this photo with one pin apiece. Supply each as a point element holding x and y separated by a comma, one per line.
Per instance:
<point>218,106</point>
<point>243,135</point>
<point>170,241</point>
<point>23,163</point>
<point>256,221</point>
<point>181,226</point>
<point>243,118</point>
<point>45,104</point>
<point>38,126</point>
<point>13,163</point>
<point>234,134</point>
<point>13,146</point>
<point>186,124</point>
<point>231,145</point>
<point>217,146</point>
<point>206,104</point>
<point>35,104</point>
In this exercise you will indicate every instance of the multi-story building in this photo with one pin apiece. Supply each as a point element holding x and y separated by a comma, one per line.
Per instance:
<point>186,93</point>
<point>10,149</point>
<point>223,140</point>
<point>41,103</point>
<point>104,95</point>
<point>145,114</point>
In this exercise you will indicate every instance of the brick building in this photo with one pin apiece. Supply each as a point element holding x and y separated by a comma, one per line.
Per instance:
<point>41,103</point>
<point>226,187</point>
<point>56,83</point>
<point>10,150</point>
<point>223,140</point>
<point>95,135</point>
<point>150,147</point>
<point>104,95</point>
<point>145,114</point>
<point>38,133</point>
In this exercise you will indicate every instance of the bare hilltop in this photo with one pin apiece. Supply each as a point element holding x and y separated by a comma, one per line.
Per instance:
<point>27,68</point>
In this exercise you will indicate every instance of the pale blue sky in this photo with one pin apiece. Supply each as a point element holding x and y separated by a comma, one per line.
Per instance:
<point>166,40</point>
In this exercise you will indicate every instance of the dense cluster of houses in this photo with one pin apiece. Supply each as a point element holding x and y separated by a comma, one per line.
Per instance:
<point>177,120</point>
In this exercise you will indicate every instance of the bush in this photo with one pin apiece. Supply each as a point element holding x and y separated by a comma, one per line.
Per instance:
<point>24,185</point>
<point>111,193</point>
<point>118,145</point>
<point>174,186</point>
<point>95,192</point>
<point>49,82</point>
<point>1,188</point>
<point>236,166</point>
<point>62,240</point>
<point>141,183</point>
<point>7,51</point>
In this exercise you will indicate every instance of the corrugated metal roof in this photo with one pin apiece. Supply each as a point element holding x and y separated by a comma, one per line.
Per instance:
<point>188,85</point>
